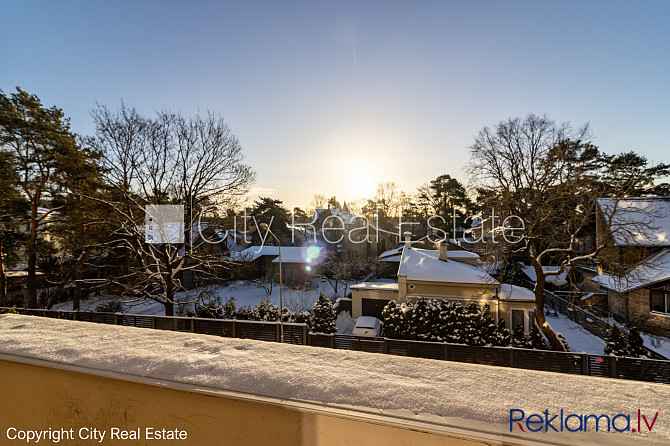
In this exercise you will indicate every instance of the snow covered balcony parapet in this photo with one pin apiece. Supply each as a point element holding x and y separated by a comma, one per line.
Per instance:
<point>73,375</point>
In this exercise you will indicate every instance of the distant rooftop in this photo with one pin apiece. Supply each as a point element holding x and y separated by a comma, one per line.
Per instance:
<point>638,221</point>
<point>424,264</point>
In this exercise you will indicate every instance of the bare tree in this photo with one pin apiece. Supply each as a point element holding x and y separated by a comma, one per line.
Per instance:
<point>548,176</point>
<point>170,159</point>
<point>319,201</point>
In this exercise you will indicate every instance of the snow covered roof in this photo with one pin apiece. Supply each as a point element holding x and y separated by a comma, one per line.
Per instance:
<point>424,264</point>
<point>255,252</point>
<point>638,221</point>
<point>558,280</point>
<point>654,269</point>
<point>295,255</point>
<point>289,254</point>
<point>393,255</point>
<point>430,391</point>
<point>513,292</point>
<point>375,286</point>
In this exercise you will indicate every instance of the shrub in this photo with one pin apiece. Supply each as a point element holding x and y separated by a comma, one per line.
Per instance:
<point>324,316</point>
<point>113,306</point>
<point>615,343</point>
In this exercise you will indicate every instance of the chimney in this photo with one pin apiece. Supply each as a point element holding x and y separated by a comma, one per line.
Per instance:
<point>443,251</point>
<point>408,239</point>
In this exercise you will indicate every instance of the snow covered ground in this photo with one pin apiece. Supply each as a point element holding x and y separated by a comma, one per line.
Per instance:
<point>246,293</point>
<point>579,339</point>
<point>435,391</point>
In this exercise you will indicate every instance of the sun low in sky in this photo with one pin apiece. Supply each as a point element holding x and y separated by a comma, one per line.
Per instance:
<point>334,97</point>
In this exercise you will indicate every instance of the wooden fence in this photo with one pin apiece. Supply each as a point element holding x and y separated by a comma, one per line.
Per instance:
<point>551,361</point>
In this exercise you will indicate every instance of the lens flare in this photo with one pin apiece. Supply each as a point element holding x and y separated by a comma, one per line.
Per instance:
<point>314,253</point>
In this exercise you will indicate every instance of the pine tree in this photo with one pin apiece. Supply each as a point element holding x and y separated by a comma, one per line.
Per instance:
<point>324,316</point>
<point>502,336</point>
<point>615,343</point>
<point>635,347</point>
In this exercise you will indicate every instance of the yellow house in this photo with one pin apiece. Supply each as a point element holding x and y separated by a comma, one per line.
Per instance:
<point>434,274</point>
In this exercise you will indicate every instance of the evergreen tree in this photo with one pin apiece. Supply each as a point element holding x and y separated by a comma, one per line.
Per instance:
<point>502,336</point>
<point>324,316</point>
<point>394,318</point>
<point>487,327</point>
<point>615,343</point>
<point>46,156</point>
<point>635,344</point>
<point>536,340</point>
<point>229,309</point>
<point>518,339</point>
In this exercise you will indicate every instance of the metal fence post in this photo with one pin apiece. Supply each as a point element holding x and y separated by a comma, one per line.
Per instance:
<point>585,364</point>
<point>304,334</point>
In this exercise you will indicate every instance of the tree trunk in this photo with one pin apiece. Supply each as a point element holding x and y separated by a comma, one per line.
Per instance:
<point>169,308</point>
<point>31,280</point>
<point>169,291</point>
<point>556,344</point>
<point>3,278</point>
<point>76,299</point>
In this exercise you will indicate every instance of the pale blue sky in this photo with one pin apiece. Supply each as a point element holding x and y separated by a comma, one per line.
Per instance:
<point>325,94</point>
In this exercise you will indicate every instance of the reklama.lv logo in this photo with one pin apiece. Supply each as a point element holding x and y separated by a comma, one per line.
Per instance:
<point>578,422</point>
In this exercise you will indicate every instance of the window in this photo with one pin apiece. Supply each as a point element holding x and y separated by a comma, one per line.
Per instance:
<point>531,319</point>
<point>660,299</point>
<point>518,322</point>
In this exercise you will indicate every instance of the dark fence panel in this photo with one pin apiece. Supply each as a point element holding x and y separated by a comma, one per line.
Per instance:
<point>215,327</point>
<point>321,340</point>
<point>549,361</point>
<point>498,356</point>
<point>361,344</point>
<point>256,330</point>
<point>69,315</point>
<point>135,320</point>
<point>600,365</point>
<point>172,323</point>
<point>643,370</point>
<point>416,349</point>
<point>294,334</point>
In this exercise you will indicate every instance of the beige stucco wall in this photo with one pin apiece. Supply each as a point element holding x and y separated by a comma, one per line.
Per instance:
<point>43,396</point>
<point>480,294</point>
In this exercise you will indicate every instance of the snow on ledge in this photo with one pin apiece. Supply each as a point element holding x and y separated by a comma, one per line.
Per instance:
<point>426,388</point>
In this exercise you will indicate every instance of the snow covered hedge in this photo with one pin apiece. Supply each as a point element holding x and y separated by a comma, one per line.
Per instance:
<point>446,321</point>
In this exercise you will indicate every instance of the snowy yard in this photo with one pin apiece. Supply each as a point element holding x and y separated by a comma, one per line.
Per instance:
<point>246,293</point>
<point>581,340</point>
<point>435,391</point>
